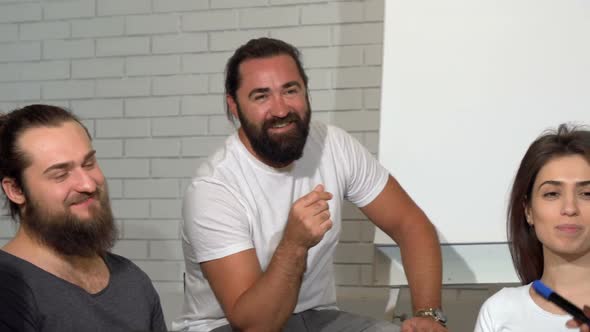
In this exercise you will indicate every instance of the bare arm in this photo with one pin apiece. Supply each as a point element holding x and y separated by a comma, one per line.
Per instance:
<point>394,212</point>
<point>253,299</point>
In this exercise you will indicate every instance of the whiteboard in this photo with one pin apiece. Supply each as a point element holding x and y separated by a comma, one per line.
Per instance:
<point>467,86</point>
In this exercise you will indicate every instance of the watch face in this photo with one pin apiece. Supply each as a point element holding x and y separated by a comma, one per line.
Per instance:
<point>440,316</point>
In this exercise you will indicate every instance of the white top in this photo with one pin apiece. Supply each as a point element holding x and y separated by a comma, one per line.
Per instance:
<point>513,309</point>
<point>236,202</point>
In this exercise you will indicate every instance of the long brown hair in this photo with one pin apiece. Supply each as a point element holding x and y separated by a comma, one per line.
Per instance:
<point>525,248</point>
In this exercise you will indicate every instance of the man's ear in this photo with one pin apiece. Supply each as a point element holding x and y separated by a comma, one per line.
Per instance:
<point>231,104</point>
<point>13,191</point>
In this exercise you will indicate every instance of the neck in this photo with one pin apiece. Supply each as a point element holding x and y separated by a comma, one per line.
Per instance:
<point>567,274</point>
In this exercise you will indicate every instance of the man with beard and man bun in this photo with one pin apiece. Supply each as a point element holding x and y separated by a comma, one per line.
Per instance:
<point>262,217</point>
<point>57,273</point>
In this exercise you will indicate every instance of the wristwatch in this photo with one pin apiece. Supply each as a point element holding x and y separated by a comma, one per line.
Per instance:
<point>435,313</point>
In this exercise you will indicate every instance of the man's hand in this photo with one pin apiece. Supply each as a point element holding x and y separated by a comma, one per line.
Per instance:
<point>422,324</point>
<point>572,323</point>
<point>309,219</point>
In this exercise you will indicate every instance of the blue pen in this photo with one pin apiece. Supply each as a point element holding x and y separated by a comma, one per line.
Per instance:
<point>564,304</point>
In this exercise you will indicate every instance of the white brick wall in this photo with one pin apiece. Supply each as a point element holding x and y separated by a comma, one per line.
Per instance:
<point>146,76</point>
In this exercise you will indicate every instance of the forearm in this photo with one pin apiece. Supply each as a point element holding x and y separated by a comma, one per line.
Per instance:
<point>270,301</point>
<point>421,258</point>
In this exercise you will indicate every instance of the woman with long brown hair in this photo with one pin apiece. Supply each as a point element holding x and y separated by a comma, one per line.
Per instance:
<point>549,234</point>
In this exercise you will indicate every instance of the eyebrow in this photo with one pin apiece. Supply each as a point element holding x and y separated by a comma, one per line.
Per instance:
<point>265,90</point>
<point>69,164</point>
<point>559,183</point>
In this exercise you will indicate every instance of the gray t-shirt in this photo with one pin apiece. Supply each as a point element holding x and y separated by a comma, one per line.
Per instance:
<point>31,299</point>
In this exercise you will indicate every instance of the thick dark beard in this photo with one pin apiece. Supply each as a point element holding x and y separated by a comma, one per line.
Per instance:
<point>281,150</point>
<point>69,235</point>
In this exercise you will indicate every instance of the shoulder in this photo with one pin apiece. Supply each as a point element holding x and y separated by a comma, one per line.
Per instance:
<point>123,267</point>
<point>506,300</point>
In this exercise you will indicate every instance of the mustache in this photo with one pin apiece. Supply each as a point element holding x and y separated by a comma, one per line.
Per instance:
<point>79,198</point>
<point>291,117</point>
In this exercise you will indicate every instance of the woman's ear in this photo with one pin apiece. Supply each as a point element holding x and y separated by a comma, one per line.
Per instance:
<point>13,191</point>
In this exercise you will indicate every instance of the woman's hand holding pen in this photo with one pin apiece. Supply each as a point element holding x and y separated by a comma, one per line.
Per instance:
<point>572,323</point>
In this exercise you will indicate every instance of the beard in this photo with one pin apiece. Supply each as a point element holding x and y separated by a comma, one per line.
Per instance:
<point>67,234</point>
<point>282,149</point>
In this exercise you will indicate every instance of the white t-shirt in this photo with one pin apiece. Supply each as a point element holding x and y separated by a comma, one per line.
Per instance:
<point>512,309</point>
<point>236,203</point>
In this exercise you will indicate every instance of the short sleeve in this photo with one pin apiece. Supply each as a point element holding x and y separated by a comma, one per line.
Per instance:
<point>365,176</point>
<point>484,322</point>
<point>17,305</point>
<point>216,223</point>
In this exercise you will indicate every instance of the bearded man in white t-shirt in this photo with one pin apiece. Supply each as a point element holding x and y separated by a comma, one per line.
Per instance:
<point>262,217</point>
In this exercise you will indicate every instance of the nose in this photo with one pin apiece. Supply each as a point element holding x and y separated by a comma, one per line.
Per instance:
<point>279,107</point>
<point>570,205</point>
<point>85,183</point>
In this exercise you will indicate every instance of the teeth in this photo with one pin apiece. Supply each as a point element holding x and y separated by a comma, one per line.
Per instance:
<point>280,125</point>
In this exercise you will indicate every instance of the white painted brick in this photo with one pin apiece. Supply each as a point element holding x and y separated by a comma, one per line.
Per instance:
<point>68,49</point>
<point>179,5</point>
<point>205,62</point>
<point>319,78</point>
<point>303,36</point>
<point>98,27</point>
<point>367,231</point>
<point>151,188</point>
<point>132,249</point>
<point>210,20</point>
<point>347,274</point>
<point>354,253</point>
<point>201,146</point>
<point>367,275</point>
<point>373,55</point>
<point>118,7</point>
<point>115,187</point>
<point>20,12</point>
<point>351,212</point>
<point>269,17</point>
<point>151,24</point>
<point>290,2</point>
<point>108,147</point>
<point>151,229</point>
<point>6,107</point>
<point>179,126</point>
<point>125,87</point>
<point>97,68</point>
<point>180,85</point>
<point>372,142</point>
<point>203,104</point>
<point>374,10</point>
<point>123,46</point>
<point>217,83</point>
<point>363,33</point>
<point>357,77</point>
<point>4,241</point>
<point>333,56</point>
<point>372,98</point>
<point>152,106</point>
<point>89,124</point>
<point>220,125</point>
<point>123,128</point>
<point>19,91</point>
<point>331,100</point>
<point>153,65</point>
<point>44,30</point>
<point>174,168</point>
<point>8,32</point>
<point>11,72</point>
<point>162,270</point>
<point>20,52</point>
<point>98,108</point>
<point>68,89</point>
<point>171,249</point>
<point>152,147</point>
<point>180,43</point>
<point>345,12</point>
<point>46,70</point>
<point>237,3</point>
<point>130,208</point>
<point>230,40</point>
<point>351,231</point>
<point>69,9</point>
<point>7,228</point>
<point>166,208</point>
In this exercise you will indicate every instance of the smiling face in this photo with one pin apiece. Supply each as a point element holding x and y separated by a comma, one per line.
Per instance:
<point>64,201</point>
<point>559,207</point>
<point>273,109</point>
